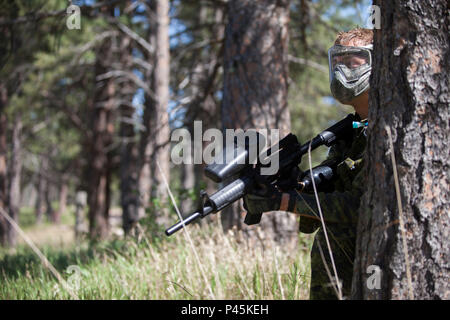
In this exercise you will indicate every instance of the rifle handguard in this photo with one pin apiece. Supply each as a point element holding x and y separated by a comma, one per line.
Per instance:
<point>322,176</point>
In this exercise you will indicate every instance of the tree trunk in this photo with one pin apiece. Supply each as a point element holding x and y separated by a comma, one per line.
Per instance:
<point>204,107</point>
<point>256,87</point>
<point>410,98</point>
<point>102,112</point>
<point>188,184</point>
<point>4,224</point>
<point>80,206</point>
<point>62,200</point>
<point>49,211</point>
<point>156,141</point>
<point>41,203</point>
<point>129,149</point>
<point>15,173</point>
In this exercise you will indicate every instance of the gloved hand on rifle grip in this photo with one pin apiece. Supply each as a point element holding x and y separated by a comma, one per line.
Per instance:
<point>264,197</point>
<point>289,179</point>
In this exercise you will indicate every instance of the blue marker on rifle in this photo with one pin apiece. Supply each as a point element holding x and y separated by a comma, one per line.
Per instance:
<point>357,124</point>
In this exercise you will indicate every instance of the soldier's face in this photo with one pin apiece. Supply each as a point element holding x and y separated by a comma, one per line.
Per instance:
<point>352,61</point>
<point>350,65</point>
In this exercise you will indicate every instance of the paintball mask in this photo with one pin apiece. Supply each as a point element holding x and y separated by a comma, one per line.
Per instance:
<point>349,71</point>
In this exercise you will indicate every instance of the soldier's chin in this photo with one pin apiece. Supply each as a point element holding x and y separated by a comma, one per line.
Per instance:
<point>342,96</point>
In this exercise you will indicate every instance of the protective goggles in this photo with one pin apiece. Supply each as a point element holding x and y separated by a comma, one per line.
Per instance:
<point>351,57</point>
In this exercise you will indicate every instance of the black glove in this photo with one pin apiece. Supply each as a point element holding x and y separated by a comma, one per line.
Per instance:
<point>264,197</point>
<point>289,180</point>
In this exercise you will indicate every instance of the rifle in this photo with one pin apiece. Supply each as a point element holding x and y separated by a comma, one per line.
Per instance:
<point>244,176</point>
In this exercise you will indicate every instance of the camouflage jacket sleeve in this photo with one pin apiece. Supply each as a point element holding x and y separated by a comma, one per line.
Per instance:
<point>341,205</point>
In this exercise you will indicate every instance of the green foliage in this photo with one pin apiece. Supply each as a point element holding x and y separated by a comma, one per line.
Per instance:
<point>27,217</point>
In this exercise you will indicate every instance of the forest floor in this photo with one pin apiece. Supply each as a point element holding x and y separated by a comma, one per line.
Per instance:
<point>218,266</point>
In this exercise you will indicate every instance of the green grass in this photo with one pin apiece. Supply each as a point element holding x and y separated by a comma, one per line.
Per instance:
<point>27,217</point>
<point>161,269</point>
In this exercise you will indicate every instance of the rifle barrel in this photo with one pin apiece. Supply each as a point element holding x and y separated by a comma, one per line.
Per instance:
<point>207,210</point>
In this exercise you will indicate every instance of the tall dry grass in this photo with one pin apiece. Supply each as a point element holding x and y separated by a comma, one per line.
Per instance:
<point>163,268</point>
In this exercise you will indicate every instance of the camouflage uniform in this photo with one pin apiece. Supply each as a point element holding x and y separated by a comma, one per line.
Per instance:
<point>340,211</point>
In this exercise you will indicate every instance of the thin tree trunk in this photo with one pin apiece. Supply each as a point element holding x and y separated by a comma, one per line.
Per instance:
<point>188,183</point>
<point>80,206</point>
<point>410,98</point>
<point>41,206</point>
<point>156,142</point>
<point>15,172</point>
<point>49,211</point>
<point>102,112</point>
<point>4,225</point>
<point>129,149</point>
<point>62,200</point>
<point>256,87</point>
<point>204,108</point>
<point>161,90</point>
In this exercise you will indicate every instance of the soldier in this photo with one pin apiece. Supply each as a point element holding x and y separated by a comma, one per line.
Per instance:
<point>350,65</point>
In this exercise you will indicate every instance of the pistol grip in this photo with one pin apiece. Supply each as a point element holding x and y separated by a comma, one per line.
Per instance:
<point>251,219</point>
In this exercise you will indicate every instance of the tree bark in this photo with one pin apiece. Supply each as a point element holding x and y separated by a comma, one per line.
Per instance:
<point>410,98</point>
<point>15,173</point>
<point>42,189</point>
<point>129,192</point>
<point>4,225</point>
<point>48,193</point>
<point>204,107</point>
<point>80,206</point>
<point>256,87</point>
<point>102,110</point>
<point>156,140</point>
<point>62,199</point>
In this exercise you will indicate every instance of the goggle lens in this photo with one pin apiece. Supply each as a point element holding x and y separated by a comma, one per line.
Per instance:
<point>351,57</point>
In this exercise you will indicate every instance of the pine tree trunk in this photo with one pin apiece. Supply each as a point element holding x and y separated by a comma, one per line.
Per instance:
<point>102,112</point>
<point>4,224</point>
<point>156,143</point>
<point>410,98</point>
<point>49,211</point>
<point>15,174</point>
<point>147,140</point>
<point>204,107</point>
<point>161,75</point>
<point>129,196</point>
<point>256,87</point>
<point>62,199</point>
<point>41,206</point>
